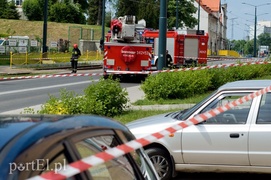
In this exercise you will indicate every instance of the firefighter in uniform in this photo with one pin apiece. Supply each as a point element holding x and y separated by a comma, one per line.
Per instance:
<point>76,53</point>
<point>169,61</point>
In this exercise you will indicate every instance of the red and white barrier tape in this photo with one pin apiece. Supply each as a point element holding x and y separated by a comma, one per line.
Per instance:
<point>136,72</point>
<point>51,76</point>
<point>99,158</point>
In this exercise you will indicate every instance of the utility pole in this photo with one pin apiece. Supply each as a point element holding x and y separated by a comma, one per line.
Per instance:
<point>45,17</point>
<point>177,14</point>
<point>103,23</point>
<point>198,15</point>
<point>255,34</point>
<point>232,23</point>
<point>162,34</point>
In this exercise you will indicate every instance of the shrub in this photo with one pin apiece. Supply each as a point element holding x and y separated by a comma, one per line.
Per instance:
<point>106,97</point>
<point>67,103</point>
<point>185,84</point>
<point>176,85</point>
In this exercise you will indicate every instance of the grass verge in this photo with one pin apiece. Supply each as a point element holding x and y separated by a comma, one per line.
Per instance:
<point>132,115</point>
<point>191,100</point>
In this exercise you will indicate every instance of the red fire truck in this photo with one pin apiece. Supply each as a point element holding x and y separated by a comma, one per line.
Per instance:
<point>185,49</point>
<point>125,53</point>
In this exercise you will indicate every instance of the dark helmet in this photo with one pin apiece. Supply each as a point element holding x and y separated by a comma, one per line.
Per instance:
<point>75,46</point>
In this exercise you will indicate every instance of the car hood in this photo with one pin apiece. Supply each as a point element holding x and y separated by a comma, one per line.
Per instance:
<point>151,124</point>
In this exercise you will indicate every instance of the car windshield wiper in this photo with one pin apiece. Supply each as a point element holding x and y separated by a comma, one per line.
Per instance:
<point>180,113</point>
<point>176,114</point>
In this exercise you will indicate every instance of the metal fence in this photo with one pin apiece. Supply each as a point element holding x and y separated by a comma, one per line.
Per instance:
<point>51,58</point>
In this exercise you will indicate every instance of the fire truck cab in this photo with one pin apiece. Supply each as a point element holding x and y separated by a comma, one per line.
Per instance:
<point>185,49</point>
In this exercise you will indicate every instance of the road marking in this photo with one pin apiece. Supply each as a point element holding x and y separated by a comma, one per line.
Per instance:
<point>45,87</point>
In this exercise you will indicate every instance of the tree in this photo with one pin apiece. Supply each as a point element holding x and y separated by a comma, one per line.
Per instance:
<point>33,9</point>
<point>66,13</point>
<point>239,45</point>
<point>94,11</point>
<point>8,10</point>
<point>186,9</point>
<point>127,7</point>
<point>149,11</point>
<point>264,39</point>
<point>248,48</point>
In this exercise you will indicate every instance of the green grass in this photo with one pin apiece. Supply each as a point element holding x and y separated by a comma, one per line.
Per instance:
<point>132,115</point>
<point>191,100</point>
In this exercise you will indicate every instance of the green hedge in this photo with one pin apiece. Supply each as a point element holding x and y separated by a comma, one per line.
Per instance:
<point>106,98</point>
<point>183,84</point>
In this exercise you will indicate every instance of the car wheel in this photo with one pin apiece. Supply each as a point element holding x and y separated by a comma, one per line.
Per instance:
<point>161,161</point>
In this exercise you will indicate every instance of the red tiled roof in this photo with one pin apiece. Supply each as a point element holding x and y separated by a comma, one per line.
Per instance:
<point>210,5</point>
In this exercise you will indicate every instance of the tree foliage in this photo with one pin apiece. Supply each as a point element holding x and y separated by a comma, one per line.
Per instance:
<point>94,11</point>
<point>248,48</point>
<point>33,9</point>
<point>186,9</point>
<point>8,10</point>
<point>150,11</point>
<point>66,13</point>
<point>127,7</point>
<point>264,39</point>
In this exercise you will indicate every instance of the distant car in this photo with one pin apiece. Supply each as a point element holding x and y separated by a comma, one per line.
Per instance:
<point>34,144</point>
<point>237,140</point>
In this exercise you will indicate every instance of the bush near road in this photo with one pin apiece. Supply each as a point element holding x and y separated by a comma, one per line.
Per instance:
<point>183,84</point>
<point>105,98</point>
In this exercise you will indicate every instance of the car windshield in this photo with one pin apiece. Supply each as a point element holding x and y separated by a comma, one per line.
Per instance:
<point>183,115</point>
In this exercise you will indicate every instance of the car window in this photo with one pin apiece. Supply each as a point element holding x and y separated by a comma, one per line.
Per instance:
<point>264,113</point>
<point>118,168</point>
<point>236,115</point>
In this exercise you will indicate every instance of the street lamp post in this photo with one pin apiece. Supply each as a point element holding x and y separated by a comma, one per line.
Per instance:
<point>198,15</point>
<point>255,25</point>
<point>45,17</point>
<point>103,23</point>
<point>177,13</point>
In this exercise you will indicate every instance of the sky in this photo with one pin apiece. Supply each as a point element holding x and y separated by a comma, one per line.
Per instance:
<point>240,20</point>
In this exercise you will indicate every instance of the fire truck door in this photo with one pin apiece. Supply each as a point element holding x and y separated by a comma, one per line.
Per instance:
<point>191,48</point>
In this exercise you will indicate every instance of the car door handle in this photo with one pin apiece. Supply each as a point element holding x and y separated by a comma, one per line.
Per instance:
<point>234,135</point>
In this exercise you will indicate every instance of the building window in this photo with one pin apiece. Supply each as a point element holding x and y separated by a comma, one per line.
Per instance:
<point>18,2</point>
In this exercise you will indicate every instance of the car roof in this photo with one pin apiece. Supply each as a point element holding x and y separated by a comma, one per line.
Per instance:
<point>245,84</point>
<point>40,126</point>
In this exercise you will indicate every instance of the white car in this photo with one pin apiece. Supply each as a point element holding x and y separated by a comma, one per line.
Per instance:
<point>237,140</point>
